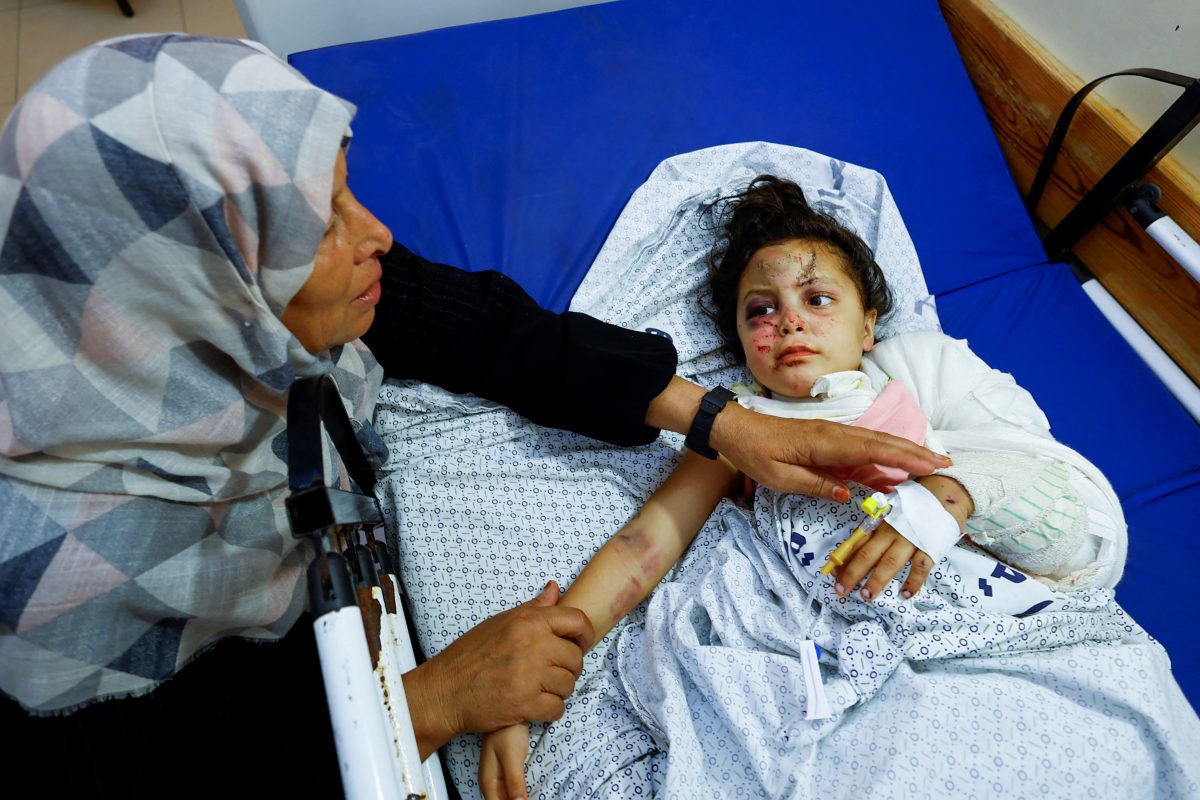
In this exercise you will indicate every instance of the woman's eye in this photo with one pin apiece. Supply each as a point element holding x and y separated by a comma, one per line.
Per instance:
<point>761,310</point>
<point>820,300</point>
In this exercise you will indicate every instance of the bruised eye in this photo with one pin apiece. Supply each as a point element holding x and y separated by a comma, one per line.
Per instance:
<point>759,310</point>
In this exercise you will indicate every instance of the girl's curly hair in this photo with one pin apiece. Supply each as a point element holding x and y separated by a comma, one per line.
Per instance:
<point>772,210</point>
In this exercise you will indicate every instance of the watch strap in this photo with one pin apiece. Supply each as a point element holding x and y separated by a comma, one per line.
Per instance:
<point>710,405</point>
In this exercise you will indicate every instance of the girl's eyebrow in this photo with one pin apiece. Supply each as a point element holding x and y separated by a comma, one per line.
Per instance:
<point>756,290</point>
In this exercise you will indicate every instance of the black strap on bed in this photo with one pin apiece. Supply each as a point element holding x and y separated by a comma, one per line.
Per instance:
<point>1175,123</point>
<point>312,506</point>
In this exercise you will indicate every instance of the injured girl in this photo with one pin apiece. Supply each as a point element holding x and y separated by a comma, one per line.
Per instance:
<point>998,663</point>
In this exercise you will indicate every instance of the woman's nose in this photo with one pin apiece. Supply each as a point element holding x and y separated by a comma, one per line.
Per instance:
<point>374,236</point>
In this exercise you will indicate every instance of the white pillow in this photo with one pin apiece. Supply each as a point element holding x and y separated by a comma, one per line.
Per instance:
<point>652,271</point>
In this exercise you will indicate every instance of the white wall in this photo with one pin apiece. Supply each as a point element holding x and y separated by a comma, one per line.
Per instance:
<point>1095,37</point>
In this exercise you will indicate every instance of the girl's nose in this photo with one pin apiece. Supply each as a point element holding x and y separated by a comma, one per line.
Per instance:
<point>791,324</point>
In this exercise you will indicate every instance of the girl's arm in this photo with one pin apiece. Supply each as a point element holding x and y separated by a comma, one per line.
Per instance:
<point>630,564</point>
<point>621,574</point>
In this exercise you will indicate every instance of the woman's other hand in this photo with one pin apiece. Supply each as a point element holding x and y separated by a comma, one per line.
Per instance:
<point>517,666</point>
<point>502,763</point>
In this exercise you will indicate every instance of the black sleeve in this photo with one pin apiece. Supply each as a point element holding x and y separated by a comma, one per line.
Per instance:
<point>479,332</point>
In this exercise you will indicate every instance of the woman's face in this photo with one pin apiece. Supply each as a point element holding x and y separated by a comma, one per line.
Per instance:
<point>337,302</point>
<point>800,316</point>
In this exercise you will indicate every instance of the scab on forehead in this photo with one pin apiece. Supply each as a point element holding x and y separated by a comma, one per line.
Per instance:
<point>775,265</point>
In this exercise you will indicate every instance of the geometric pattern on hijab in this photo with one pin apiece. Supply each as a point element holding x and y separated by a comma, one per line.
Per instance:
<point>162,199</point>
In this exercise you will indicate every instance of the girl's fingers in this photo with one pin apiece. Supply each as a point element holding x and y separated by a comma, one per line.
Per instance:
<point>921,566</point>
<point>512,762</point>
<point>887,567</point>
<point>490,779</point>
<point>863,560</point>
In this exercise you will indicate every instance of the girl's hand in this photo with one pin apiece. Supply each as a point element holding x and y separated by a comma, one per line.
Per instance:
<point>502,763</point>
<point>883,555</point>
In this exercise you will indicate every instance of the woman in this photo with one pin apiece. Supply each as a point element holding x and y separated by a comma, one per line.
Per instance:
<point>178,245</point>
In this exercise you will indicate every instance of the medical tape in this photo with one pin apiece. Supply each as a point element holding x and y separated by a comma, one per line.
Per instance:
<point>920,517</point>
<point>817,706</point>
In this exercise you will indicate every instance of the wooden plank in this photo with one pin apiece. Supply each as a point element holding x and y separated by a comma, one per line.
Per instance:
<point>1023,89</point>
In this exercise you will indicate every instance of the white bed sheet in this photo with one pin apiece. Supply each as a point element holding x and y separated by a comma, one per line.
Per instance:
<point>486,507</point>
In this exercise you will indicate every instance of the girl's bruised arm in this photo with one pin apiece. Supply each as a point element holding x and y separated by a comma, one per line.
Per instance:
<point>630,564</point>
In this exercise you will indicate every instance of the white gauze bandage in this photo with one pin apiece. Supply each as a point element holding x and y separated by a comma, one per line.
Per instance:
<point>920,517</point>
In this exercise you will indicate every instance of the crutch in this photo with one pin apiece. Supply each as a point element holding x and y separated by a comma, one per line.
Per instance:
<point>356,602</point>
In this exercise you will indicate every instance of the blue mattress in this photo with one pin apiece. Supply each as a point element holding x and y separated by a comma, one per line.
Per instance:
<point>514,144</point>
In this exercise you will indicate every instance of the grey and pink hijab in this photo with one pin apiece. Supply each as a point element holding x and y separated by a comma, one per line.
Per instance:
<point>161,200</point>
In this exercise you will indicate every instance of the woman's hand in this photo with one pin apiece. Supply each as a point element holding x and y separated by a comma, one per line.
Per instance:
<point>883,555</point>
<point>502,763</point>
<point>787,454</point>
<point>517,666</point>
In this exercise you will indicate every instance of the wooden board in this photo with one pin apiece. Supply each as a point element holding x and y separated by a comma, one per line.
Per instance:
<point>1023,89</point>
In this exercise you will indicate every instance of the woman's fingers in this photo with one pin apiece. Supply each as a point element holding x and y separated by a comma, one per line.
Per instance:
<point>810,481</point>
<point>845,445</point>
<point>547,707</point>
<point>788,454</point>
<point>558,682</point>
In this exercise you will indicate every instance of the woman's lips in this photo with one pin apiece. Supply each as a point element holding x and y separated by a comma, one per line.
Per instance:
<point>373,292</point>
<point>371,296</point>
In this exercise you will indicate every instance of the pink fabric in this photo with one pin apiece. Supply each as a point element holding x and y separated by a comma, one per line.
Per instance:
<point>894,411</point>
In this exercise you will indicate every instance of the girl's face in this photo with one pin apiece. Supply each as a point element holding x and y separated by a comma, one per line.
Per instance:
<point>800,316</point>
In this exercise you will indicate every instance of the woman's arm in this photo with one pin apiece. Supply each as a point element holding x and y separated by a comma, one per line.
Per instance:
<point>479,332</point>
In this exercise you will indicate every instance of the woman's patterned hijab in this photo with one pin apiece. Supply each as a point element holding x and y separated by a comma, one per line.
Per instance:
<point>161,201</point>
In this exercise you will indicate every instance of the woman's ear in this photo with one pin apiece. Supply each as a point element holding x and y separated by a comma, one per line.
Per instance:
<point>869,330</point>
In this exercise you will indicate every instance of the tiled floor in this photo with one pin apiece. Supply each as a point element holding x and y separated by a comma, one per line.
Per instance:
<point>37,34</point>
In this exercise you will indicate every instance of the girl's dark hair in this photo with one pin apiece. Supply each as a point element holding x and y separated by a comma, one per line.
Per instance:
<point>772,210</point>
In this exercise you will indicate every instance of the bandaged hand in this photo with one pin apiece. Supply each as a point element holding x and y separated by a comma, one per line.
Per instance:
<point>929,517</point>
<point>502,763</point>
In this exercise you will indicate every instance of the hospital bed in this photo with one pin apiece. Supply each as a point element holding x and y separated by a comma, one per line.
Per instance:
<point>515,144</point>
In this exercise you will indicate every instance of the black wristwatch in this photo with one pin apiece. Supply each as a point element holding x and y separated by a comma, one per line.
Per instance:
<point>710,406</point>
